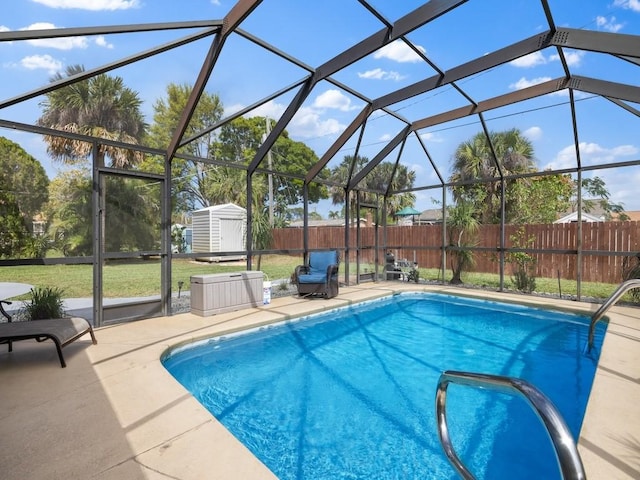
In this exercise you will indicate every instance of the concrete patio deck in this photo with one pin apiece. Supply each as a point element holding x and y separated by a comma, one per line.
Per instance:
<point>116,413</point>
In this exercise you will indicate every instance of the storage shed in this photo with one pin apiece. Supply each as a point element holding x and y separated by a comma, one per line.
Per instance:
<point>219,228</point>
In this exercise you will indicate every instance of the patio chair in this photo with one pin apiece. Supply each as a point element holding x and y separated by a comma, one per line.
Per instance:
<point>320,275</point>
<point>62,331</point>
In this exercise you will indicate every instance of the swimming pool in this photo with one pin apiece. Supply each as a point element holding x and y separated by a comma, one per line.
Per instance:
<point>350,393</point>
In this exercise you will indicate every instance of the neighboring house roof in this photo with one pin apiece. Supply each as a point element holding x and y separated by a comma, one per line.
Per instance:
<point>634,216</point>
<point>596,211</point>
<point>429,216</point>
<point>332,222</point>
<point>599,213</point>
<point>586,217</point>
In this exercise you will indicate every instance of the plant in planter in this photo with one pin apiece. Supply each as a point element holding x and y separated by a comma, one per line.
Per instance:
<point>45,303</point>
<point>414,275</point>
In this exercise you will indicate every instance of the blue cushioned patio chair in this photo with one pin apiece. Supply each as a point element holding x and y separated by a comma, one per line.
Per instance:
<point>320,275</point>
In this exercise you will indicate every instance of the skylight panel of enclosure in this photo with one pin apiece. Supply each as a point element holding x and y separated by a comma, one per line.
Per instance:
<point>416,159</point>
<point>475,29</point>
<point>322,117</point>
<point>48,55</point>
<point>441,140</point>
<point>379,174</point>
<point>392,11</point>
<point>381,134</point>
<point>409,170</point>
<point>601,15</point>
<point>389,68</point>
<point>529,70</point>
<point>606,67</point>
<point>417,156</point>
<point>536,130</point>
<point>313,32</point>
<point>247,74</point>
<point>607,133</point>
<point>430,105</point>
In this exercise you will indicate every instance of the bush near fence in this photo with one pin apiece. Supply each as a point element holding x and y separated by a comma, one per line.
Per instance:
<point>603,246</point>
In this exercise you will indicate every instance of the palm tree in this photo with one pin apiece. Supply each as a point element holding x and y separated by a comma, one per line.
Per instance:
<point>374,184</point>
<point>101,107</point>
<point>461,228</point>
<point>473,160</point>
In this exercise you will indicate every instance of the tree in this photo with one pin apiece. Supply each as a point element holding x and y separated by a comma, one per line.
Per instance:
<point>23,191</point>
<point>473,160</point>
<point>238,143</point>
<point>69,210</point>
<point>131,214</point>
<point>189,177</point>
<point>462,226</point>
<point>377,181</point>
<point>540,199</point>
<point>101,107</point>
<point>597,196</point>
<point>14,233</point>
<point>24,177</point>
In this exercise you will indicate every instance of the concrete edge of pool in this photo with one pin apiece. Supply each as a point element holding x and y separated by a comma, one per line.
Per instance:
<point>115,412</point>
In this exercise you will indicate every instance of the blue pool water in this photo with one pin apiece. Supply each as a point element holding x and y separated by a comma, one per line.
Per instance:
<point>350,394</point>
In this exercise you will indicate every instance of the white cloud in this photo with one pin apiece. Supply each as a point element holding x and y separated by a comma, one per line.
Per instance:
<point>533,133</point>
<point>379,74</point>
<point>270,109</point>
<point>573,57</point>
<point>41,62</point>
<point>531,60</point>
<point>431,137</point>
<point>385,138</point>
<point>535,59</point>
<point>566,158</point>
<point>216,3</point>
<point>333,99</point>
<point>398,51</point>
<point>419,168</point>
<point>591,154</point>
<point>94,5</point>
<point>4,29</point>
<point>629,4</point>
<point>102,42</point>
<point>608,24</point>
<point>67,43</point>
<point>525,83</point>
<point>306,123</point>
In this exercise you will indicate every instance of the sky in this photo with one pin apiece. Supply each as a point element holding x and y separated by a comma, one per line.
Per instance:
<point>315,32</point>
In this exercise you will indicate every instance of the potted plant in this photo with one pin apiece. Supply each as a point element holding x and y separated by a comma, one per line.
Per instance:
<point>45,303</point>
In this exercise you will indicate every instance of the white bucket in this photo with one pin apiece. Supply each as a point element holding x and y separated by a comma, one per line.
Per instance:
<point>266,290</point>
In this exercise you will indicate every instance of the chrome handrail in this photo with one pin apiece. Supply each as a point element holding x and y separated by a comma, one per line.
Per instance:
<point>623,288</point>
<point>565,446</point>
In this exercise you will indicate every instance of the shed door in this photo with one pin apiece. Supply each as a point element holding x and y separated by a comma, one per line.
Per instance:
<point>231,234</point>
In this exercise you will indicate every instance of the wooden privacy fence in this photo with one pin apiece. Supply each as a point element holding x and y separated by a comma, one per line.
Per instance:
<point>604,247</point>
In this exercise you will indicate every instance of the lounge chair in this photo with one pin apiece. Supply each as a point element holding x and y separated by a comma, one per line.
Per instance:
<point>62,331</point>
<point>320,275</point>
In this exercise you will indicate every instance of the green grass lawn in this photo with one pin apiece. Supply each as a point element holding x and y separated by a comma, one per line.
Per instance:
<point>142,278</point>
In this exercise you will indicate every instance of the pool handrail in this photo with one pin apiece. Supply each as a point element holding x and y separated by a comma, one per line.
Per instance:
<point>623,288</point>
<point>565,446</point>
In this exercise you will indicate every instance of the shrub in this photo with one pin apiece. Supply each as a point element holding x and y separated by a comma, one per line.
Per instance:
<point>414,275</point>
<point>631,270</point>
<point>524,264</point>
<point>45,303</point>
